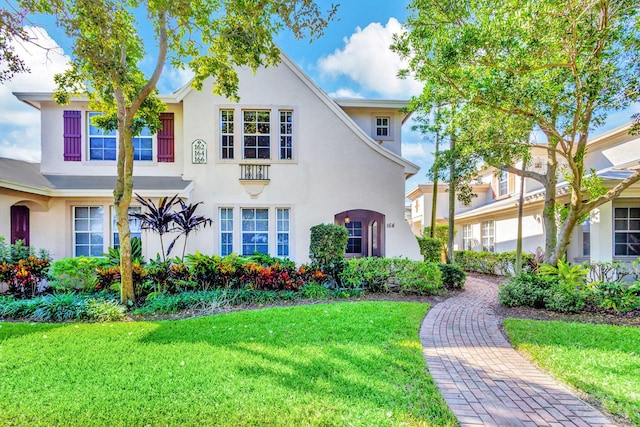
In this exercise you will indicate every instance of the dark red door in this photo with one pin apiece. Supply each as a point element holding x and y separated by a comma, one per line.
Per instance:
<point>20,224</point>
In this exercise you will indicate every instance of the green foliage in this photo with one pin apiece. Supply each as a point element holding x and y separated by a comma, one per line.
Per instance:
<point>79,273</point>
<point>500,263</point>
<point>314,291</point>
<point>61,307</point>
<point>453,277</point>
<point>327,247</point>
<point>526,289</point>
<point>431,249</point>
<point>104,310</point>
<point>391,275</point>
<point>616,296</point>
<point>113,254</point>
<point>571,276</point>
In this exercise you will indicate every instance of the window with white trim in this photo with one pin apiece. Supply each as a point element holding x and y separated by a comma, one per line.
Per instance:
<point>503,183</point>
<point>286,135</point>
<point>626,230</point>
<point>226,231</point>
<point>354,243</point>
<point>226,134</point>
<point>467,237</point>
<point>255,231</point>
<point>88,234</point>
<point>383,126</point>
<point>103,144</point>
<point>135,226</point>
<point>256,134</point>
<point>283,222</point>
<point>488,236</point>
<point>586,238</point>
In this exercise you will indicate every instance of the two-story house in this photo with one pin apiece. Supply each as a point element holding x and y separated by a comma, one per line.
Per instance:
<point>267,168</point>
<point>612,231</point>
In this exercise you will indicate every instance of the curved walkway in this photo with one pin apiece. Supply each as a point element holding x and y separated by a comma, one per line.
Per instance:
<point>483,379</point>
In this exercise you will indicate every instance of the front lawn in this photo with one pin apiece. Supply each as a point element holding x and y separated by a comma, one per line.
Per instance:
<point>327,364</point>
<point>602,360</point>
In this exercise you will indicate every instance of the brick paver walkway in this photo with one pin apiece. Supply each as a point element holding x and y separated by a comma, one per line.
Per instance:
<point>485,381</point>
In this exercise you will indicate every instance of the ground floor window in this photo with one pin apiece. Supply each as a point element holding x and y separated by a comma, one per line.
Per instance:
<point>467,237</point>
<point>226,231</point>
<point>488,236</point>
<point>627,231</point>
<point>586,238</point>
<point>354,244</point>
<point>135,227</point>
<point>255,231</point>
<point>88,233</point>
<point>282,230</point>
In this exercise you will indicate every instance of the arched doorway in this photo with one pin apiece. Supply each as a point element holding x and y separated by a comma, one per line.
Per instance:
<point>366,232</point>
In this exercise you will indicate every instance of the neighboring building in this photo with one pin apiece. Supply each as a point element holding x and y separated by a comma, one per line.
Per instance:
<point>612,231</point>
<point>283,159</point>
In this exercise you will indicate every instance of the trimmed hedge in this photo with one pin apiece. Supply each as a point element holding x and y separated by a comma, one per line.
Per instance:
<point>500,264</point>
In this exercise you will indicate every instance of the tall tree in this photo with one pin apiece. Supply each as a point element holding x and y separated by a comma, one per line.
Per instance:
<point>558,67</point>
<point>211,37</point>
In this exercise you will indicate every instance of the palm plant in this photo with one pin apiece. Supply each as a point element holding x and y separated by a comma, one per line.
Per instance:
<point>159,218</point>
<point>186,221</point>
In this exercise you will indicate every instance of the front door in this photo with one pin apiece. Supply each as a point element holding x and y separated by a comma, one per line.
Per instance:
<point>20,224</point>
<point>366,235</point>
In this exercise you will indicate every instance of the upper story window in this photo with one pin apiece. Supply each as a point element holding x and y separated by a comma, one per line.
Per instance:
<point>256,130</point>
<point>226,134</point>
<point>286,135</point>
<point>503,184</point>
<point>382,126</point>
<point>102,143</point>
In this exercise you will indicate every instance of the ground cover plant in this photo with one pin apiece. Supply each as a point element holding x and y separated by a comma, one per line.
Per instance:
<point>602,360</point>
<point>325,364</point>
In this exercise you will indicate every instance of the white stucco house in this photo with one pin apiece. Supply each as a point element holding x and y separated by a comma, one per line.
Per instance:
<point>612,231</point>
<point>267,169</point>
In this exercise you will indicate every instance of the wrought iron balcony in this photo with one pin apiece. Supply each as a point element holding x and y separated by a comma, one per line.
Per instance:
<point>253,172</point>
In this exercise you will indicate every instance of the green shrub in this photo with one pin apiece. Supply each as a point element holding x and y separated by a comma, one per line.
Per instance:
<point>11,308</point>
<point>617,296</point>
<point>60,307</point>
<point>525,289</point>
<point>327,248</point>
<point>368,273</point>
<point>415,277</point>
<point>79,273</point>
<point>564,298</point>
<point>102,310</point>
<point>430,248</point>
<point>453,276</point>
<point>212,272</point>
<point>314,291</point>
<point>501,263</point>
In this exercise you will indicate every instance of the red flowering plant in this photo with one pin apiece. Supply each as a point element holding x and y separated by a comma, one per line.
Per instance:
<point>25,276</point>
<point>276,277</point>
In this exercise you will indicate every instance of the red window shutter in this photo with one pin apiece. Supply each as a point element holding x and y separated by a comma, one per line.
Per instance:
<point>165,139</point>
<point>72,136</point>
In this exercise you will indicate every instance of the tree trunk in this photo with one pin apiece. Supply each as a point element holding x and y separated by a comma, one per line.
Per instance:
<point>549,211</point>
<point>518,266</point>
<point>452,201</point>
<point>122,199</point>
<point>434,196</point>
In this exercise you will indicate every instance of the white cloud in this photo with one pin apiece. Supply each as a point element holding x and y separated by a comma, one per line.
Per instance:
<point>368,60</point>
<point>345,93</point>
<point>19,123</point>
<point>173,79</point>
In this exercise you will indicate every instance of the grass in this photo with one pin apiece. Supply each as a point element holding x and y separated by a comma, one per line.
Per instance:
<point>602,360</point>
<point>320,365</point>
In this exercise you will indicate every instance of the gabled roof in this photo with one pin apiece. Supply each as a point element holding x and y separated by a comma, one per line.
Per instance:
<point>26,177</point>
<point>409,167</point>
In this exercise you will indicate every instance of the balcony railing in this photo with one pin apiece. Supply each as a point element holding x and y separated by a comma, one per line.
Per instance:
<point>254,172</point>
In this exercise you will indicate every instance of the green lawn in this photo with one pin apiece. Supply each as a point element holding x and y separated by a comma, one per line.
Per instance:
<point>328,364</point>
<point>601,360</point>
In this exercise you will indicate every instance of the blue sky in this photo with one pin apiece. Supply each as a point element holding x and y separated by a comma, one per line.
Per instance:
<point>352,59</point>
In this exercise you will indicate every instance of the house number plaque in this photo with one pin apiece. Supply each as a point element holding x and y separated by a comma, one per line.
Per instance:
<point>198,152</point>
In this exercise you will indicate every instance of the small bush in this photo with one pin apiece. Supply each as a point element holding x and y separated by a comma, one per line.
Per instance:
<point>453,276</point>
<point>525,289</point>
<point>616,296</point>
<point>371,274</point>
<point>421,278</point>
<point>79,273</point>
<point>314,291</point>
<point>327,247</point>
<point>101,310</point>
<point>60,307</point>
<point>430,248</point>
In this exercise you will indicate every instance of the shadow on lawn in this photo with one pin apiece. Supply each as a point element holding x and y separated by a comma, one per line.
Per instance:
<point>9,330</point>
<point>340,355</point>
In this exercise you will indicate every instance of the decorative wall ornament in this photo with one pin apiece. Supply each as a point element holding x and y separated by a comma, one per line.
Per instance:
<point>198,152</point>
